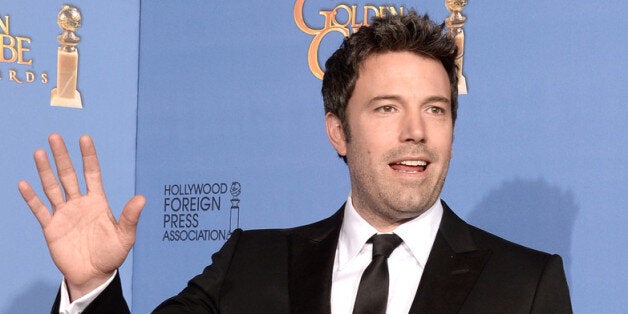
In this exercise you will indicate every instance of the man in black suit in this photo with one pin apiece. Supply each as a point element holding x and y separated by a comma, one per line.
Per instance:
<point>390,94</point>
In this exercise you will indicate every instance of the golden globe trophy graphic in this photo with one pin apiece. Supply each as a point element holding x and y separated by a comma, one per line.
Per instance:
<point>454,22</point>
<point>65,94</point>
<point>234,213</point>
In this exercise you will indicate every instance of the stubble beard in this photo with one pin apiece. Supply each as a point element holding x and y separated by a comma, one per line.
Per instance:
<point>392,203</point>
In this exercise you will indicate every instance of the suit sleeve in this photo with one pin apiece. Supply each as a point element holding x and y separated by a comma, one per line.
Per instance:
<point>109,301</point>
<point>552,294</point>
<point>202,294</point>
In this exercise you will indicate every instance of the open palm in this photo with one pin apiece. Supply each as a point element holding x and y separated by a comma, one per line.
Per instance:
<point>85,241</point>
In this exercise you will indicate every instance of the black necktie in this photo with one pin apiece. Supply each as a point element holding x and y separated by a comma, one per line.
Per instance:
<point>373,290</point>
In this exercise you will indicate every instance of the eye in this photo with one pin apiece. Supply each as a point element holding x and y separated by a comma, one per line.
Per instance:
<point>385,109</point>
<point>436,110</point>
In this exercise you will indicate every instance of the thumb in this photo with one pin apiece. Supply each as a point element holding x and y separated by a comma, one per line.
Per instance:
<point>131,214</point>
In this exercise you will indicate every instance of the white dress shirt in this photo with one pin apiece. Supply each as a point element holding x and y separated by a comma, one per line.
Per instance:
<point>405,264</point>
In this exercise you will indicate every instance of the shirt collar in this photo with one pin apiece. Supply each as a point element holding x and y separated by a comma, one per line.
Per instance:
<point>417,234</point>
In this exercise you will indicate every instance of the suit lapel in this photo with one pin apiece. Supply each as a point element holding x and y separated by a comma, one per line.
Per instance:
<point>452,268</point>
<point>312,251</point>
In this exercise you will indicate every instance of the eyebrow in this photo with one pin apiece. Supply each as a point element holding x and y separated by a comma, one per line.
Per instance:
<point>438,99</point>
<point>430,99</point>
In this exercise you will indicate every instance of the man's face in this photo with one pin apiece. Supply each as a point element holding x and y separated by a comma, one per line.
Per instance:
<point>401,133</point>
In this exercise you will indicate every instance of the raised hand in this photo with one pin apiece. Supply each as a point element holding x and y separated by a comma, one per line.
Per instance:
<point>85,241</point>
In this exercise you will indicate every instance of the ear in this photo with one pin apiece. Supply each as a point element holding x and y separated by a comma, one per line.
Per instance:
<point>453,136</point>
<point>335,133</point>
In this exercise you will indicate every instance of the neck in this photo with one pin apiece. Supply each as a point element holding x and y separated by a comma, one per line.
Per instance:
<point>379,222</point>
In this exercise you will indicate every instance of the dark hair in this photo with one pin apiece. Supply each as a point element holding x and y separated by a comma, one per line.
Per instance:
<point>411,32</point>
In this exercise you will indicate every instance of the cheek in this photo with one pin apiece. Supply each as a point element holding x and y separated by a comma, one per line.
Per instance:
<point>371,145</point>
<point>443,145</point>
<point>443,135</point>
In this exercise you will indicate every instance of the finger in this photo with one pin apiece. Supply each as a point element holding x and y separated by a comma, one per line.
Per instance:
<point>91,168</point>
<point>48,181</point>
<point>65,170</point>
<point>37,207</point>
<point>131,215</point>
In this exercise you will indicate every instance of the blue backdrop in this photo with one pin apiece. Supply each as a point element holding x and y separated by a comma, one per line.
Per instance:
<point>218,121</point>
<point>107,80</point>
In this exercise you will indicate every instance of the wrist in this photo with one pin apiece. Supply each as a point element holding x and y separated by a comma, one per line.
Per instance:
<point>76,291</point>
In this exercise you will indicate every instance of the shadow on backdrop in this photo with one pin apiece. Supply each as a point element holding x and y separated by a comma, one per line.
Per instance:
<point>36,298</point>
<point>533,213</point>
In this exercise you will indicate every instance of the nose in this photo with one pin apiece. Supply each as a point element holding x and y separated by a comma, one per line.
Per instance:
<point>412,128</point>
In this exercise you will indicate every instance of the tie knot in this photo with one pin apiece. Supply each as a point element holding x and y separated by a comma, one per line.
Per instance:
<point>384,244</point>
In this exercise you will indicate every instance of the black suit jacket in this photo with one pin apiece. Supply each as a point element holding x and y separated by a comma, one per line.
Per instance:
<point>290,271</point>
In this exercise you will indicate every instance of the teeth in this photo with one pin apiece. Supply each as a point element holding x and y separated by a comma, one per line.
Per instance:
<point>414,163</point>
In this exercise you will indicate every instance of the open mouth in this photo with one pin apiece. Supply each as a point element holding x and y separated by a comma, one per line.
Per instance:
<point>410,166</point>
